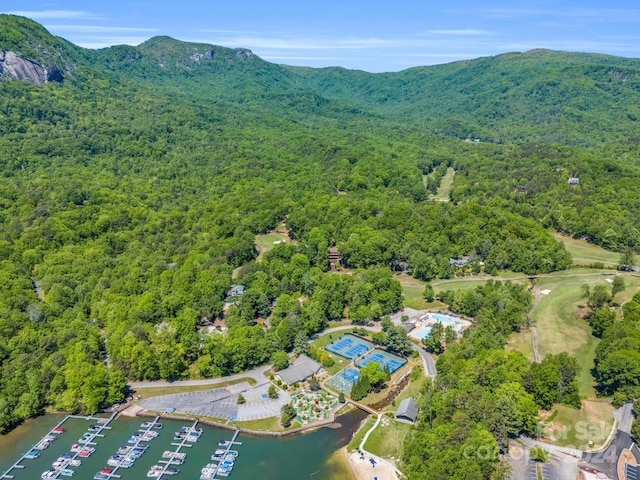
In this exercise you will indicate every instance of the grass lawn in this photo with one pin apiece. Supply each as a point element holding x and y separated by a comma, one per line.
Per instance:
<point>388,441</point>
<point>271,424</point>
<point>266,242</point>
<point>412,288</point>
<point>559,328</point>
<point>359,435</point>
<point>521,342</point>
<point>149,392</point>
<point>323,341</point>
<point>445,186</point>
<point>414,389</point>
<point>581,249</point>
<point>574,428</point>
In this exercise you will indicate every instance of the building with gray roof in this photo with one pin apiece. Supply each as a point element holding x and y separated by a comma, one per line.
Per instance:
<point>408,410</point>
<point>303,368</point>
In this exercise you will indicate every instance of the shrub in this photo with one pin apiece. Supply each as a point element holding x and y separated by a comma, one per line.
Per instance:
<point>241,399</point>
<point>272,392</point>
<point>618,399</point>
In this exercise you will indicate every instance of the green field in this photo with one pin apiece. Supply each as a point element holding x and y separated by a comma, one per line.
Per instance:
<point>587,252</point>
<point>557,318</point>
<point>574,428</point>
<point>388,441</point>
<point>445,186</point>
<point>359,435</point>
<point>266,242</point>
<point>412,288</point>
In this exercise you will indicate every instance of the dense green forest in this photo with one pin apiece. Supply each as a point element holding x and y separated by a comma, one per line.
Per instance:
<point>133,187</point>
<point>484,395</point>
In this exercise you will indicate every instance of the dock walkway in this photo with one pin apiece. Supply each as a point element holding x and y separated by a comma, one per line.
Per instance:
<point>229,445</point>
<point>103,426</point>
<point>114,473</point>
<point>182,444</point>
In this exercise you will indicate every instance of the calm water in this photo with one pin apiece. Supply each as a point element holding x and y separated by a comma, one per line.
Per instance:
<point>299,457</point>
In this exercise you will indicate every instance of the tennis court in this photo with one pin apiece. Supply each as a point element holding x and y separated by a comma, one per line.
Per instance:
<point>349,346</point>
<point>344,380</point>
<point>385,359</point>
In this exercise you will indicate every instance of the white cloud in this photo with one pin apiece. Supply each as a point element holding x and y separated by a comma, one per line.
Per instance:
<point>50,14</point>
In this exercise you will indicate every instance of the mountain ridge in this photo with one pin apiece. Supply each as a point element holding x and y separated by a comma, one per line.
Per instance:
<point>550,96</point>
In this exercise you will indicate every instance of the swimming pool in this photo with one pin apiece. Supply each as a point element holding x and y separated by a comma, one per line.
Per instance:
<point>422,333</point>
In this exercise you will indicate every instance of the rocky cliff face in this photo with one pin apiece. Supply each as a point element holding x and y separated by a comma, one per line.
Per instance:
<point>13,65</point>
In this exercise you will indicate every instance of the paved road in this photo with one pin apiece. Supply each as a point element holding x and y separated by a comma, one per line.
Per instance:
<point>607,461</point>
<point>624,416</point>
<point>257,374</point>
<point>427,361</point>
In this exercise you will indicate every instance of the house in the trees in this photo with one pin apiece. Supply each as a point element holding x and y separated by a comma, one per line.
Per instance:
<point>574,181</point>
<point>459,262</point>
<point>303,368</point>
<point>334,256</point>
<point>408,410</point>
<point>235,291</point>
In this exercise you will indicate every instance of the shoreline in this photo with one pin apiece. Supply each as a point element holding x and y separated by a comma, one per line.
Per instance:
<point>332,423</point>
<point>362,469</point>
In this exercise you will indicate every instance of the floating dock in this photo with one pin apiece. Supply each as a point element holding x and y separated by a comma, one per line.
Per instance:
<point>229,445</point>
<point>104,425</point>
<point>114,471</point>
<point>183,443</point>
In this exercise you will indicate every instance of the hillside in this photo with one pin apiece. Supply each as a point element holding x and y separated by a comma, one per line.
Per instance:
<point>134,185</point>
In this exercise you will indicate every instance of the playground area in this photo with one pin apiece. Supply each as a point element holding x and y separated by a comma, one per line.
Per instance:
<point>385,359</point>
<point>349,347</point>
<point>427,321</point>
<point>313,406</point>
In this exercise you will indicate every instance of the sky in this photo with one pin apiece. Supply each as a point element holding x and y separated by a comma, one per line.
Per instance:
<point>371,35</point>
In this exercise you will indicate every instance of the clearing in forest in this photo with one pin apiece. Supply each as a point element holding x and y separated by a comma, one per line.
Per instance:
<point>445,186</point>
<point>585,252</point>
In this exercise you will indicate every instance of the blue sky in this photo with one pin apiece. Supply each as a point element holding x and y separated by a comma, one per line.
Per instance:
<point>370,35</point>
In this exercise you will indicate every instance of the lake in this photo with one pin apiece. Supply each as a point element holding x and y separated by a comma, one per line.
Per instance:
<point>266,458</point>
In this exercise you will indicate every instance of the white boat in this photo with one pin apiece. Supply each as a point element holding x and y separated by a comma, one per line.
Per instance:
<point>170,454</point>
<point>155,471</point>
<point>32,454</point>
<point>75,462</point>
<point>67,472</point>
<point>208,472</point>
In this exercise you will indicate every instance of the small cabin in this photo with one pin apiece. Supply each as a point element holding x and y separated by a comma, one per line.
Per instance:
<point>574,181</point>
<point>408,410</point>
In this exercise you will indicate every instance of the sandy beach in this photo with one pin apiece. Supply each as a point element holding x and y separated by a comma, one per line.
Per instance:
<point>363,470</point>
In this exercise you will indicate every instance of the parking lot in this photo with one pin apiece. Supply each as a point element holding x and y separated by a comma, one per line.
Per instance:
<point>222,403</point>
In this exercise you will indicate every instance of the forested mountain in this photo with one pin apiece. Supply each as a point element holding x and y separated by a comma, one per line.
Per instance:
<point>134,181</point>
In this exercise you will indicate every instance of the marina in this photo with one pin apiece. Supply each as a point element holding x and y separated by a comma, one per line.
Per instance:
<point>62,462</point>
<point>258,456</point>
<point>226,458</point>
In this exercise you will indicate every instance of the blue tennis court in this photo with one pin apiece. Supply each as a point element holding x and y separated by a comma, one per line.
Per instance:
<point>350,374</point>
<point>344,380</point>
<point>349,347</point>
<point>385,359</point>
